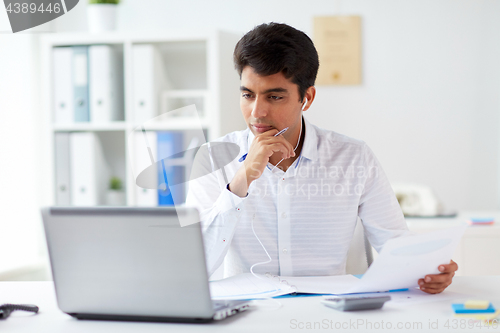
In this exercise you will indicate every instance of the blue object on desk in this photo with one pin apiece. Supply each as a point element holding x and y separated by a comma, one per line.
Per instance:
<point>460,308</point>
<point>359,276</point>
<point>482,219</point>
<point>300,295</point>
<point>313,295</point>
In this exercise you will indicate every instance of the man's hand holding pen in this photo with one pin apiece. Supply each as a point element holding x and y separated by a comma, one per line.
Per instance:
<point>261,150</point>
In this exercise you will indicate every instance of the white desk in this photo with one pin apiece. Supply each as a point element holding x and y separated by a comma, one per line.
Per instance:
<point>294,314</point>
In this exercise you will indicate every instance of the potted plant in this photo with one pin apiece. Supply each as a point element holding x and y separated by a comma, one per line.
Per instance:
<point>115,195</point>
<point>101,15</point>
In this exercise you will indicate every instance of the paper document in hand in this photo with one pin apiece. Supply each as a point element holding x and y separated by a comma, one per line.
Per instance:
<point>404,260</point>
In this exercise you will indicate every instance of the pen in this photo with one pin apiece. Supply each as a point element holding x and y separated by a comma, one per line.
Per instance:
<point>282,131</point>
<point>242,158</point>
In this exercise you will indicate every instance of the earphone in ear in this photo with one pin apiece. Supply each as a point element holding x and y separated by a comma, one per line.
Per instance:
<point>305,103</point>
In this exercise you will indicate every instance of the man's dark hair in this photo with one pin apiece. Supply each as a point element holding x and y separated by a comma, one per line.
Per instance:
<point>278,48</point>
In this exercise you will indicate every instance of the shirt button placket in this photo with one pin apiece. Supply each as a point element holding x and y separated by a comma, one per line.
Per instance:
<point>283,227</point>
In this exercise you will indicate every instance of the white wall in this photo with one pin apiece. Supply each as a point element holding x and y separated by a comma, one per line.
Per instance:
<point>20,223</point>
<point>428,105</point>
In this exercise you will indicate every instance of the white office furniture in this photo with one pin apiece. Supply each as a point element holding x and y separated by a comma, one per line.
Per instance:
<point>479,249</point>
<point>434,314</point>
<point>360,254</point>
<point>194,68</point>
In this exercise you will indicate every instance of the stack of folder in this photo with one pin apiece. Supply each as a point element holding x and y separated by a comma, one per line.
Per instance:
<point>163,145</point>
<point>82,173</point>
<point>88,84</point>
<point>149,79</point>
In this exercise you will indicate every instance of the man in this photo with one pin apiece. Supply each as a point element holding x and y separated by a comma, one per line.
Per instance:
<point>289,202</point>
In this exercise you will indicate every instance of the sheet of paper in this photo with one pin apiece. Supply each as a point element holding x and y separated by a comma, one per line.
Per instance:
<point>336,284</point>
<point>247,286</point>
<point>404,260</point>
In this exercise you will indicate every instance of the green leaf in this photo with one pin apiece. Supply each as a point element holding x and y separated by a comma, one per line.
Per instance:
<point>115,2</point>
<point>115,183</point>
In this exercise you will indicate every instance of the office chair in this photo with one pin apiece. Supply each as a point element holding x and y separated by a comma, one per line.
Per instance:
<point>359,256</point>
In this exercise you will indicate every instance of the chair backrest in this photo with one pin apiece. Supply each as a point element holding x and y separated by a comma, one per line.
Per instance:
<point>359,256</point>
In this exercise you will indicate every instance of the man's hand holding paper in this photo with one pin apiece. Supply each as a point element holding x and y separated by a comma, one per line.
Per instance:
<point>436,283</point>
<point>403,261</point>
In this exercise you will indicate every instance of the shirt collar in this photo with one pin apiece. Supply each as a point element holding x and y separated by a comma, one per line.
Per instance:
<point>251,136</point>
<point>310,146</point>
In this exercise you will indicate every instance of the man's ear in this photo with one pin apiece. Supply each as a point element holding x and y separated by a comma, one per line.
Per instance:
<point>309,97</point>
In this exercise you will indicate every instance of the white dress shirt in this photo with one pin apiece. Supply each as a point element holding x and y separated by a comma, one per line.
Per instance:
<point>304,217</point>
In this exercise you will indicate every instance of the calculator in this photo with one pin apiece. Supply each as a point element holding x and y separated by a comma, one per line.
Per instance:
<point>354,303</point>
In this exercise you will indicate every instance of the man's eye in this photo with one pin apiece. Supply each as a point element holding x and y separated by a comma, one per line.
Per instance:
<point>246,95</point>
<point>275,97</point>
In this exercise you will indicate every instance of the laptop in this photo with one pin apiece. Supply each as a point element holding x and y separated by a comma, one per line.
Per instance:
<point>131,263</point>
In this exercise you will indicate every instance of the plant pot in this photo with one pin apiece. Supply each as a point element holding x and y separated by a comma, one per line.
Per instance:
<point>101,17</point>
<point>115,198</point>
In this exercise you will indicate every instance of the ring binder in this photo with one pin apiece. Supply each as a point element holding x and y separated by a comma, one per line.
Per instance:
<point>277,279</point>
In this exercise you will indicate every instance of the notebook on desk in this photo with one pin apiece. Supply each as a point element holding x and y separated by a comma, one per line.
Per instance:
<point>131,263</point>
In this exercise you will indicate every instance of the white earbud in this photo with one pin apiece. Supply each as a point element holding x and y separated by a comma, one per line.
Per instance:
<point>305,103</point>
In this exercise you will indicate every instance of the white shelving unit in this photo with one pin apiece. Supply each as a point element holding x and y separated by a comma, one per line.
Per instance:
<point>199,69</point>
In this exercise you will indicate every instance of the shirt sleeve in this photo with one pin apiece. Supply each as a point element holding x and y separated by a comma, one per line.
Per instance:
<point>378,208</point>
<point>219,208</point>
